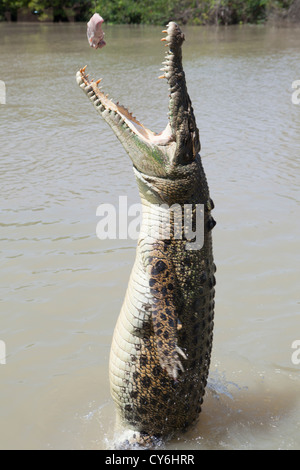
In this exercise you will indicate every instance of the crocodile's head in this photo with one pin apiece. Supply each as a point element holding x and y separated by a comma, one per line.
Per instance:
<point>152,154</point>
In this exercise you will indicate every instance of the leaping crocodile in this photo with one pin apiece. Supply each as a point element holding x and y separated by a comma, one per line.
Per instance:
<point>162,342</point>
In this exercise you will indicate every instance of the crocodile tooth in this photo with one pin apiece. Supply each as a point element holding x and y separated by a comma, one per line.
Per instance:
<point>79,79</point>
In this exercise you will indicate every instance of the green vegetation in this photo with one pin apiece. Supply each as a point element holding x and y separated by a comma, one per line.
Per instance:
<point>46,10</point>
<point>146,11</point>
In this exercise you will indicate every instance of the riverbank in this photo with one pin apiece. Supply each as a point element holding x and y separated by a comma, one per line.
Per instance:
<point>208,12</point>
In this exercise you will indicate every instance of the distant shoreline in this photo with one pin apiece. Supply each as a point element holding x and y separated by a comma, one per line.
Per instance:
<point>208,12</point>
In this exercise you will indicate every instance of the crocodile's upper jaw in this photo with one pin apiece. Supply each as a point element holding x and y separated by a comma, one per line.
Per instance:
<point>151,153</point>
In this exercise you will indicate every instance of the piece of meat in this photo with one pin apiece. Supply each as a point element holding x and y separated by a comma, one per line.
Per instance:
<point>94,32</point>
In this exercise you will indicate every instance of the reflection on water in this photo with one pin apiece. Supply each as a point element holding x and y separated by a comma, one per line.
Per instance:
<point>61,288</point>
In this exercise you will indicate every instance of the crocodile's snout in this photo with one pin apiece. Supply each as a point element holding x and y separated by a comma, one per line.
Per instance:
<point>181,114</point>
<point>175,36</point>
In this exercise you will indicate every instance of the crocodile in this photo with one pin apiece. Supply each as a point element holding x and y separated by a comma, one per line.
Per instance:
<point>162,342</point>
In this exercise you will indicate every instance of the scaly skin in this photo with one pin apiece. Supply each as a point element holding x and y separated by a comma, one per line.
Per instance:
<point>162,342</point>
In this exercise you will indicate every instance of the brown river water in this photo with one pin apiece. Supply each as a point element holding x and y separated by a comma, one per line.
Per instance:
<point>61,287</point>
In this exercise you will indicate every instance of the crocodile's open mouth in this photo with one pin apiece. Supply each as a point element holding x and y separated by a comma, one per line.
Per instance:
<point>119,113</point>
<point>178,143</point>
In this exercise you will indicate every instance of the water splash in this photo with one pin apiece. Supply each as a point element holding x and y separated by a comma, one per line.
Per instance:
<point>219,385</point>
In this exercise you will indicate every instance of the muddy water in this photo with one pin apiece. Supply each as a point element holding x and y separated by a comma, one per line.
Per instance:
<point>61,288</point>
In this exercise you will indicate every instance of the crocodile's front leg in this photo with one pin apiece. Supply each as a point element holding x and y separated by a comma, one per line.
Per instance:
<point>164,312</point>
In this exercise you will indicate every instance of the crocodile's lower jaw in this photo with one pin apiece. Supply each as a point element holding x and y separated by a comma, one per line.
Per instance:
<point>119,114</point>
